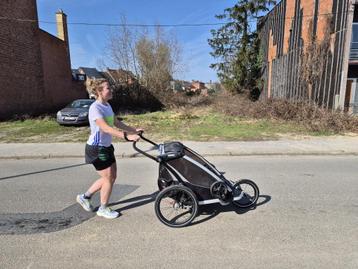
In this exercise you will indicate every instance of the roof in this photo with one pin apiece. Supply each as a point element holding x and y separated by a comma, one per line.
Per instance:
<point>120,75</point>
<point>120,72</point>
<point>91,72</point>
<point>75,71</point>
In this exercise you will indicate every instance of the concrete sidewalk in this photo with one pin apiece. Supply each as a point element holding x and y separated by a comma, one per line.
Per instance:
<point>340,145</point>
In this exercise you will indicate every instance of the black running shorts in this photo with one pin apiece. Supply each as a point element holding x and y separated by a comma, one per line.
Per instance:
<point>101,157</point>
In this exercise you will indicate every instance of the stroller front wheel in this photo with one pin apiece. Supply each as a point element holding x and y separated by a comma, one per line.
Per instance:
<point>247,191</point>
<point>176,206</point>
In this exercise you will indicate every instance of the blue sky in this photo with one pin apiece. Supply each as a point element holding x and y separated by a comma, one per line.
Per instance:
<point>87,43</point>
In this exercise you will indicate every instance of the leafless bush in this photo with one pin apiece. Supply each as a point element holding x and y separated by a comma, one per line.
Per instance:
<point>314,59</point>
<point>304,113</point>
<point>182,100</point>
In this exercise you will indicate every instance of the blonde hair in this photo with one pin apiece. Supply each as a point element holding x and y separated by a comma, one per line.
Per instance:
<point>94,86</point>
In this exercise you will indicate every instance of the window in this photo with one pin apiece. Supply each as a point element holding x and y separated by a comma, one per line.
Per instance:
<point>355,33</point>
<point>80,103</point>
<point>354,42</point>
<point>81,77</point>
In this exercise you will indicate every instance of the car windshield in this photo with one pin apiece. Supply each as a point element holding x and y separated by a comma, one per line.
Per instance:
<point>81,103</point>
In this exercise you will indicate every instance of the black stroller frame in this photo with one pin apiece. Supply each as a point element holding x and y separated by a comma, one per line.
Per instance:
<point>187,180</point>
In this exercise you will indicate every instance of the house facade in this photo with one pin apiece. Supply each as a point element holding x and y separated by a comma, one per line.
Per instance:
<point>310,52</point>
<point>35,74</point>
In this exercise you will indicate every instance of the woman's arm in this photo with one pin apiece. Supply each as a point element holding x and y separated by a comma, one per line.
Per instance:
<point>119,124</point>
<point>110,130</point>
<point>102,124</point>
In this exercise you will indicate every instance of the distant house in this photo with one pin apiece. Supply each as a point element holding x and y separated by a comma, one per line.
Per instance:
<point>77,76</point>
<point>194,86</point>
<point>180,85</point>
<point>91,73</point>
<point>213,86</point>
<point>119,76</point>
<point>197,85</point>
<point>85,74</point>
<point>176,85</point>
<point>115,77</point>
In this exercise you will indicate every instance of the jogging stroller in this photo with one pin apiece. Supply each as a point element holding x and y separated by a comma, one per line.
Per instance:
<point>187,180</point>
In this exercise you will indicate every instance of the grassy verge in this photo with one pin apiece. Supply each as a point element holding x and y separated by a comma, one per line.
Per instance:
<point>45,130</point>
<point>194,124</point>
<point>206,125</point>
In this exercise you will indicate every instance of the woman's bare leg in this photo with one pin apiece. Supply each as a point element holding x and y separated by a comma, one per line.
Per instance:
<point>105,183</point>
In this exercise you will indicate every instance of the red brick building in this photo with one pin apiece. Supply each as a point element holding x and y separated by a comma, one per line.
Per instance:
<point>307,47</point>
<point>35,73</point>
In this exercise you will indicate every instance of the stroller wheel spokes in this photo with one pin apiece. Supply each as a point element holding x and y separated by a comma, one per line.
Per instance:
<point>246,193</point>
<point>220,191</point>
<point>176,206</point>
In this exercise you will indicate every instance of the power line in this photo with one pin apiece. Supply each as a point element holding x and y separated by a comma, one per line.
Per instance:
<point>159,25</point>
<point>142,25</point>
<point>117,24</point>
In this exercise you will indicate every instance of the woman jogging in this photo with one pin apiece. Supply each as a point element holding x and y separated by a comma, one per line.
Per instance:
<point>99,149</point>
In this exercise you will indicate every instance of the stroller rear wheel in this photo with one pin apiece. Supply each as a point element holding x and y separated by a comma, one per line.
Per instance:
<point>248,192</point>
<point>176,206</point>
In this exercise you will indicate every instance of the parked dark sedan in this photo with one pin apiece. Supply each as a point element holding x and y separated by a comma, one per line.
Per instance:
<point>75,113</point>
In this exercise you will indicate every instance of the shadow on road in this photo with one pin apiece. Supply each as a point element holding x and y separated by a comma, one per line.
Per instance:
<point>210,211</point>
<point>43,171</point>
<point>136,201</point>
<point>47,222</point>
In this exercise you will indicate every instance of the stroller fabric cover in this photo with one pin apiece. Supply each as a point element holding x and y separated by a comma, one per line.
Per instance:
<point>171,150</point>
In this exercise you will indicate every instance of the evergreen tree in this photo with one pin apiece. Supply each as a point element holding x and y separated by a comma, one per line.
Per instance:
<point>236,46</point>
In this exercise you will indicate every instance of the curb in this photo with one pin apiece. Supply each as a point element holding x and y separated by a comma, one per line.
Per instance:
<point>130,156</point>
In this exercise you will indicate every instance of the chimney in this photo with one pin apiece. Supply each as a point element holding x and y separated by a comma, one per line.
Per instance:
<point>61,19</point>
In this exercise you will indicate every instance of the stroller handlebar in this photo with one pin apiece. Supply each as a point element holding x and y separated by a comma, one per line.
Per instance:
<point>141,151</point>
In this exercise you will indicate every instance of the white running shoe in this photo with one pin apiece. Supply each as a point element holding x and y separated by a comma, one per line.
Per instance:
<point>85,203</point>
<point>107,213</point>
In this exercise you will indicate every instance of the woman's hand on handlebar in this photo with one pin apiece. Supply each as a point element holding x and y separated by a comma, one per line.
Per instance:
<point>133,137</point>
<point>139,130</point>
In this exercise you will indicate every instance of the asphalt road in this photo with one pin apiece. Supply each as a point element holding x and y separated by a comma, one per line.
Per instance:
<point>306,217</point>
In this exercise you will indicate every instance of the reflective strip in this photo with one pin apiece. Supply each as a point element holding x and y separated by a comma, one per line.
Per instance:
<point>96,139</point>
<point>213,201</point>
<point>205,161</point>
<point>207,202</point>
<point>205,169</point>
<point>200,166</point>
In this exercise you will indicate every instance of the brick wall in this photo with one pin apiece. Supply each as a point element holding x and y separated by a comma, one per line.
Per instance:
<point>35,71</point>
<point>58,84</point>
<point>325,7</point>
<point>21,75</point>
<point>288,26</point>
<point>287,16</point>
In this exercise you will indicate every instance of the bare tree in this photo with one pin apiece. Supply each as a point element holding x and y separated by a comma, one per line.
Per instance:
<point>149,57</point>
<point>158,59</point>
<point>121,47</point>
<point>153,57</point>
